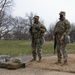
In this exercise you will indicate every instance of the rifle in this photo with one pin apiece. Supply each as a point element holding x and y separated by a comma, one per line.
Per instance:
<point>30,30</point>
<point>32,40</point>
<point>55,43</point>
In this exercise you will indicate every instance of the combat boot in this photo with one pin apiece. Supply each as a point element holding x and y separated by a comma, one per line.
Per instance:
<point>34,59</point>
<point>65,62</point>
<point>39,59</point>
<point>58,62</point>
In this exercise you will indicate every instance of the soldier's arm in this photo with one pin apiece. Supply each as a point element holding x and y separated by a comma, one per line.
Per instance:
<point>68,28</point>
<point>43,28</point>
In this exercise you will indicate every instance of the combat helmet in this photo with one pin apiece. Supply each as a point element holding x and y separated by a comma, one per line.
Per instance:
<point>36,17</point>
<point>62,13</point>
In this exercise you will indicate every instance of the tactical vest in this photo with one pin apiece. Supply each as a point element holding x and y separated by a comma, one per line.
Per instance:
<point>35,33</point>
<point>61,27</point>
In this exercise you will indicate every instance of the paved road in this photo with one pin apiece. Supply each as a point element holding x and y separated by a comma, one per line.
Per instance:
<point>27,58</point>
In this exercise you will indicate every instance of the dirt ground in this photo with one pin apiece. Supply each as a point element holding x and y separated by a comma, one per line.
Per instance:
<point>46,67</point>
<point>31,71</point>
<point>48,63</point>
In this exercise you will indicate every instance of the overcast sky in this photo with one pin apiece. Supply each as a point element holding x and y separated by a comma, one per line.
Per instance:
<point>48,10</point>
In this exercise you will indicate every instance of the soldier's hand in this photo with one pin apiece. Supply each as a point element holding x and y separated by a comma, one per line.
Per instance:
<point>37,28</point>
<point>62,38</point>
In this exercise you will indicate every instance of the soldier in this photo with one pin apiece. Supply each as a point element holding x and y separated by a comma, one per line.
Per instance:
<point>61,29</point>
<point>37,31</point>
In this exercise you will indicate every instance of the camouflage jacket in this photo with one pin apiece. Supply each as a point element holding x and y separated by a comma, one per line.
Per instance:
<point>36,33</point>
<point>62,27</point>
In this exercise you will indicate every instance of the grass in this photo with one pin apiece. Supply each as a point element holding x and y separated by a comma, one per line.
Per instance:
<point>14,47</point>
<point>21,47</point>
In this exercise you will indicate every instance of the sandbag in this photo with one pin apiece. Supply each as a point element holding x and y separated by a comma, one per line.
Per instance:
<point>12,65</point>
<point>9,62</point>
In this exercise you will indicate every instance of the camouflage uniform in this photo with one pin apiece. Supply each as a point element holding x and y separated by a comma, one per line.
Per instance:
<point>62,28</point>
<point>37,31</point>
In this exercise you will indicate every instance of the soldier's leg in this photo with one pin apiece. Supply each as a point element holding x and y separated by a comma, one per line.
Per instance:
<point>39,50</point>
<point>34,52</point>
<point>64,51</point>
<point>59,54</point>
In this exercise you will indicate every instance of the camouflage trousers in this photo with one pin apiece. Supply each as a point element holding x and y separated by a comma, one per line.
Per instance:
<point>36,48</point>
<point>61,50</point>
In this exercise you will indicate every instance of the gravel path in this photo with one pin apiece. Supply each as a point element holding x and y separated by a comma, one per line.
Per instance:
<point>30,71</point>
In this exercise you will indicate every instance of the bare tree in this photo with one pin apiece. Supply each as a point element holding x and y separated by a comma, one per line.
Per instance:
<point>72,34</point>
<point>49,34</point>
<point>7,25</point>
<point>20,29</point>
<point>5,5</point>
<point>16,28</point>
<point>29,18</point>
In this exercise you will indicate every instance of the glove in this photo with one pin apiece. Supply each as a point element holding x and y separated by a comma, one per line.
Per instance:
<point>37,28</point>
